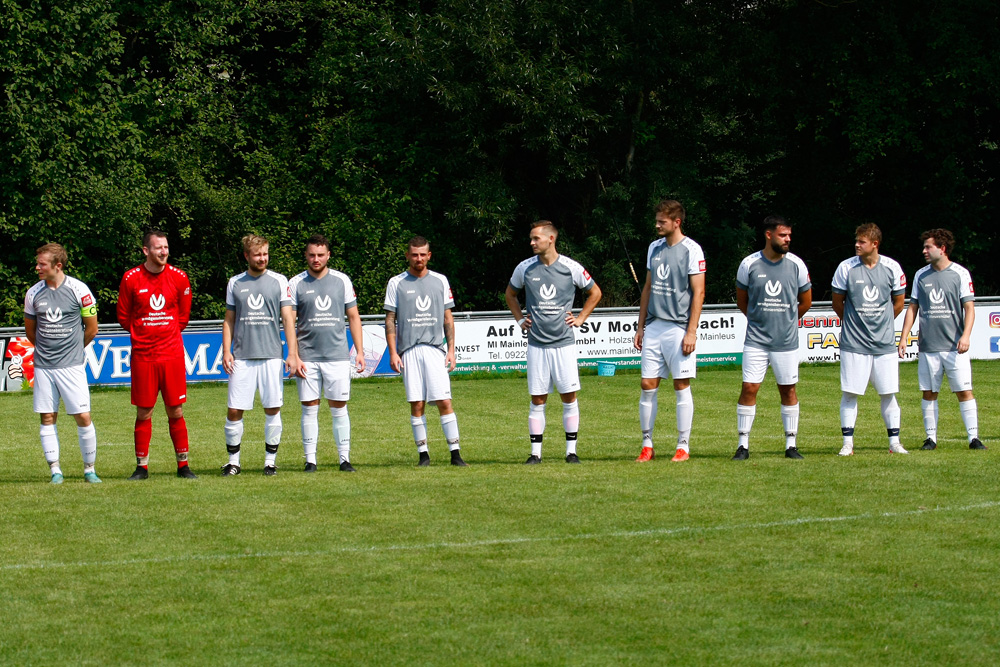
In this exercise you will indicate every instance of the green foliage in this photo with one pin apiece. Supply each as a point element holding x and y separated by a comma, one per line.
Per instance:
<point>465,120</point>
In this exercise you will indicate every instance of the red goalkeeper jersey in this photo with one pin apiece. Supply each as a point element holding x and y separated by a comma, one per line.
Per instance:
<point>154,308</point>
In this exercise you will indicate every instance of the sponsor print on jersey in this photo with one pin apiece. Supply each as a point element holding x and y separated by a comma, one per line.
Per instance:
<point>663,271</point>
<point>773,288</point>
<point>87,300</point>
<point>871,293</point>
<point>255,301</point>
<point>936,295</point>
<point>701,266</point>
<point>156,302</point>
<point>323,303</point>
<point>547,292</point>
<point>54,315</point>
<point>423,303</point>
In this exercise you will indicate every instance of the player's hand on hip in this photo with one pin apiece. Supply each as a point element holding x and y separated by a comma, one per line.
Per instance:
<point>526,322</point>
<point>570,320</point>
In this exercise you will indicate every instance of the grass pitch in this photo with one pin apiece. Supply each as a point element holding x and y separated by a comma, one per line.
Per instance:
<point>876,558</point>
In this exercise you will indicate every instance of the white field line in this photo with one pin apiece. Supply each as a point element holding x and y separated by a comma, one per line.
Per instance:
<point>625,534</point>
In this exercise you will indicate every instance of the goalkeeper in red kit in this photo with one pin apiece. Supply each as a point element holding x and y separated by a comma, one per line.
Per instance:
<point>154,306</point>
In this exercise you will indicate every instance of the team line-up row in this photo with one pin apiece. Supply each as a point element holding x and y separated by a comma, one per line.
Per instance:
<point>317,310</point>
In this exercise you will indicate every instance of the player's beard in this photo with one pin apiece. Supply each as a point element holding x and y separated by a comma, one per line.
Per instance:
<point>778,248</point>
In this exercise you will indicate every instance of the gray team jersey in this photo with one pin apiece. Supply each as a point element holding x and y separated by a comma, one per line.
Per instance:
<point>868,324</point>
<point>940,296</point>
<point>548,296</point>
<point>419,304</point>
<point>320,305</point>
<point>773,289</point>
<point>58,315</point>
<point>670,286</point>
<point>257,304</point>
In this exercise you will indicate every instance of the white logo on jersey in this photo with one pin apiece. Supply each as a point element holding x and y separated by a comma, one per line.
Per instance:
<point>323,302</point>
<point>773,288</point>
<point>423,302</point>
<point>255,301</point>
<point>157,301</point>
<point>937,296</point>
<point>871,293</point>
<point>663,271</point>
<point>54,315</point>
<point>547,292</point>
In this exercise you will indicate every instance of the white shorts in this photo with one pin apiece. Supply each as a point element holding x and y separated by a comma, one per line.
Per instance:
<point>857,370</point>
<point>784,364</point>
<point>662,354</point>
<point>931,366</point>
<point>552,367</point>
<point>68,383</point>
<point>334,377</point>
<point>425,374</point>
<point>250,375</point>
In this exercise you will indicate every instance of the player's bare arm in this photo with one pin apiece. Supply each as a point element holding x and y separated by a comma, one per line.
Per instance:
<point>228,323</point>
<point>30,328</point>
<point>89,329</point>
<point>965,341</point>
<point>357,335</point>
<point>292,362</point>
<point>390,341</point>
<point>742,300</point>
<point>911,317</point>
<point>640,328</point>
<point>898,301</point>
<point>697,282</point>
<point>805,302</point>
<point>838,304</point>
<point>593,297</point>
<point>449,335</point>
<point>523,319</point>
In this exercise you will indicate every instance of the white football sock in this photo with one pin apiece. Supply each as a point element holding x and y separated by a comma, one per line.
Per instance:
<point>890,415</point>
<point>970,417</point>
<point>272,437</point>
<point>234,436</point>
<point>536,428</point>
<point>744,422</point>
<point>419,427</point>
<point>648,405</point>
<point>571,424</point>
<point>449,424</point>
<point>87,436</point>
<point>685,415</point>
<point>342,432</point>
<point>930,411</point>
<point>50,445</point>
<point>310,431</point>
<point>790,420</point>
<point>848,416</point>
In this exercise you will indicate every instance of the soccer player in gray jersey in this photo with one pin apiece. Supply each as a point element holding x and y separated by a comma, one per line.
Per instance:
<point>420,336</point>
<point>549,281</point>
<point>667,331</point>
<point>320,298</point>
<point>258,304</point>
<point>60,320</point>
<point>943,295</point>
<point>868,294</point>
<point>773,290</point>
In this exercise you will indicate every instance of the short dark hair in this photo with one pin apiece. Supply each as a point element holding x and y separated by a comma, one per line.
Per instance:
<point>671,207</point>
<point>149,234</point>
<point>942,238</point>
<point>418,242</point>
<point>772,222</point>
<point>870,231</point>
<point>545,223</point>
<point>317,239</point>
<point>55,251</point>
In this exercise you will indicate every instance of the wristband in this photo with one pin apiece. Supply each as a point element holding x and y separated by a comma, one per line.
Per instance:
<point>520,322</point>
